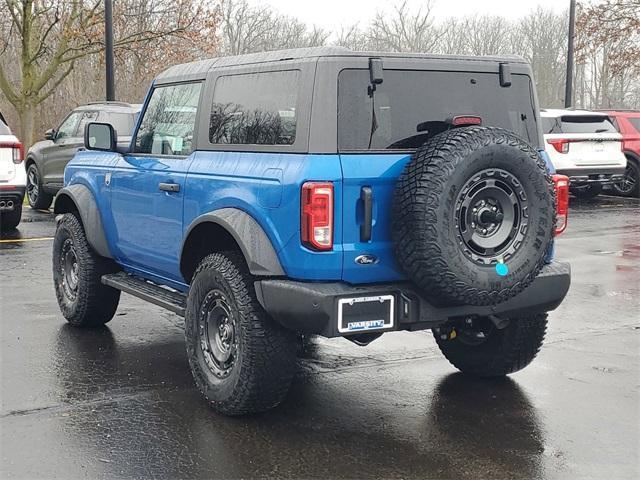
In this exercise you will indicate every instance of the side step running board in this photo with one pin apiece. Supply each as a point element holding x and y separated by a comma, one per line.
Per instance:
<point>169,299</point>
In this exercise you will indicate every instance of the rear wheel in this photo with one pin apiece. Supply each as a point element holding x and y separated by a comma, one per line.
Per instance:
<point>10,220</point>
<point>585,192</point>
<point>629,186</point>
<point>37,197</point>
<point>77,276</point>
<point>481,348</point>
<point>241,359</point>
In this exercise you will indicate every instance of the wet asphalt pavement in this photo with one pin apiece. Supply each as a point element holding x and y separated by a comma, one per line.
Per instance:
<point>120,402</point>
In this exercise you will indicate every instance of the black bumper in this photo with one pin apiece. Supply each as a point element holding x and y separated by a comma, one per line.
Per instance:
<point>313,307</point>
<point>584,176</point>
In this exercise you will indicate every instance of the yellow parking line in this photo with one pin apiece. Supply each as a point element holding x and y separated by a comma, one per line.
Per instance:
<point>18,240</point>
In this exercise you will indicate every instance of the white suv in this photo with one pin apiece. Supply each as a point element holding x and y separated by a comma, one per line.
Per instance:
<point>586,147</point>
<point>13,178</point>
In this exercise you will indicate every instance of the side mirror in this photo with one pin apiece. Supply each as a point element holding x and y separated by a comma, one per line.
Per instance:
<point>100,136</point>
<point>50,134</point>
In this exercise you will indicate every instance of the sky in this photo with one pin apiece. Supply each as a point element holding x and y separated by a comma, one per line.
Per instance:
<point>332,14</point>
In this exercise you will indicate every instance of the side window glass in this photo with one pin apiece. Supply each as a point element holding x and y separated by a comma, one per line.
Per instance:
<point>169,121</point>
<point>68,127</point>
<point>636,123</point>
<point>256,109</point>
<point>85,117</point>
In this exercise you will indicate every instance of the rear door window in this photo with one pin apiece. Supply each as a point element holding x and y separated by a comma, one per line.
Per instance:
<point>123,123</point>
<point>85,117</point>
<point>255,109</point>
<point>636,123</point>
<point>409,106</point>
<point>169,121</point>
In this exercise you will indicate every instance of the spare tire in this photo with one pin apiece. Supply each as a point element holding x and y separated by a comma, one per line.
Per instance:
<point>473,216</point>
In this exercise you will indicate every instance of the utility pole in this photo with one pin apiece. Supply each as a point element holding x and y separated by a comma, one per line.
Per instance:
<point>568,90</point>
<point>108,49</point>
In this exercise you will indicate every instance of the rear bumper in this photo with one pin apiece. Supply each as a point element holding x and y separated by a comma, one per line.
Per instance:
<point>11,197</point>
<point>581,176</point>
<point>313,307</point>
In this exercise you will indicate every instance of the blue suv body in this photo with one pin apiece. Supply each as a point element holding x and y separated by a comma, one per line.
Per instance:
<point>292,160</point>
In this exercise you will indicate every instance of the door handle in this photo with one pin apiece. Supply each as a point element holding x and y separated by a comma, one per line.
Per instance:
<point>169,187</point>
<point>366,195</point>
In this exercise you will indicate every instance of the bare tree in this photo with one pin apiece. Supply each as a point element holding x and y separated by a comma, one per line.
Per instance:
<point>405,31</point>
<point>48,37</point>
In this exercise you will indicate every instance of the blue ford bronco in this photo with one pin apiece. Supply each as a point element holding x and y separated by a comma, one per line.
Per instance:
<point>265,197</point>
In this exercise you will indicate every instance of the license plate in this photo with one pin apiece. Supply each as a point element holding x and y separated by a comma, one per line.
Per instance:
<point>364,314</point>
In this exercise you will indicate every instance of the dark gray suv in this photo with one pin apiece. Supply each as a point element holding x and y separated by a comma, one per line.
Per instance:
<point>46,160</point>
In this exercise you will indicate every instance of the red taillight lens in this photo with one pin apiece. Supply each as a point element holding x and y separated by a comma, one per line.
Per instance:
<point>317,215</point>
<point>466,120</point>
<point>561,145</point>
<point>561,183</point>
<point>18,150</point>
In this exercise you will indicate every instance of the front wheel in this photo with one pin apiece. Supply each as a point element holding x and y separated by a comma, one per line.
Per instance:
<point>77,277</point>
<point>37,197</point>
<point>241,359</point>
<point>629,186</point>
<point>478,347</point>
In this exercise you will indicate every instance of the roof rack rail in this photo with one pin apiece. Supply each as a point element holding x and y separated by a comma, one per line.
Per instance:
<point>109,102</point>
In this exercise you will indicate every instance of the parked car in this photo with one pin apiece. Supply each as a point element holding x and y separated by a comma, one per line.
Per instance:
<point>586,147</point>
<point>627,123</point>
<point>47,159</point>
<point>12,177</point>
<point>321,191</point>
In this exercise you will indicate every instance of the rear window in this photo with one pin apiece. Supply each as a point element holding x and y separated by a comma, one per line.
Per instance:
<point>409,106</point>
<point>578,124</point>
<point>255,109</point>
<point>123,123</point>
<point>4,129</point>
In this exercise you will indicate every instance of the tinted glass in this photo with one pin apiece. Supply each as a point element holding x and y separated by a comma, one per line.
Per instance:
<point>85,117</point>
<point>406,100</point>
<point>123,123</point>
<point>169,122</point>
<point>68,127</point>
<point>550,125</point>
<point>257,109</point>
<point>586,124</point>
<point>635,122</point>
<point>4,129</point>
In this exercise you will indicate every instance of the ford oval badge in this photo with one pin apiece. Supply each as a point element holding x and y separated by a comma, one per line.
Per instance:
<point>366,259</point>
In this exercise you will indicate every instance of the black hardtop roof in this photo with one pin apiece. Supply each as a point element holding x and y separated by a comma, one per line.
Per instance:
<point>199,69</point>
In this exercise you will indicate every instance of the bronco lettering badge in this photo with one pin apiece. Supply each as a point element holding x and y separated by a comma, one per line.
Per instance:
<point>366,259</point>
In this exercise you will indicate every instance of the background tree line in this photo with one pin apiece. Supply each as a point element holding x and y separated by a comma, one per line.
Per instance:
<point>51,57</point>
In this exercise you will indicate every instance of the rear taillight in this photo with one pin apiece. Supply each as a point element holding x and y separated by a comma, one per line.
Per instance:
<point>17,150</point>
<point>317,215</point>
<point>560,144</point>
<point>462,120</point>
<point>561,183</point>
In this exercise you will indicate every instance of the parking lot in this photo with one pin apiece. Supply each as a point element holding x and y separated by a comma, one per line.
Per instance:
<point>120,401</point>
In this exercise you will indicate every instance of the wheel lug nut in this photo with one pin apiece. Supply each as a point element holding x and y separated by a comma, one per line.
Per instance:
<point>494,209</point>
<point>473,225</point>
<point>484,230</point>
<point>474,210</point>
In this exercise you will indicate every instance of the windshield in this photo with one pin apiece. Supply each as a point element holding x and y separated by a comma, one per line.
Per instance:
<point>4,129</point>
<point>122,123</point>
<point>410,106</point>
<point>578,124</point>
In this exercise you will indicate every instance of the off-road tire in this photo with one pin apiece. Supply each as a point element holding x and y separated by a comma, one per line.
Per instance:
<point>633,168</point>
<point>264,361</point>
<point>40,200</point>
<point>93,304</point>
<point>10,220</point>
<point>503,352</point>
<point>586,192</point>
<point>424,208</point>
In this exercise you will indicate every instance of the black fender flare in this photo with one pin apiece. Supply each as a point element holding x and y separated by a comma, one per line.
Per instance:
<point>82,198</point>
<point>633,155</point>
<point>254,243</point>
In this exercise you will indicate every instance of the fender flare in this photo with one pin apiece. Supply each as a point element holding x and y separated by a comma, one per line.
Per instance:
<point>254,243</point>
<point>86,205</point>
